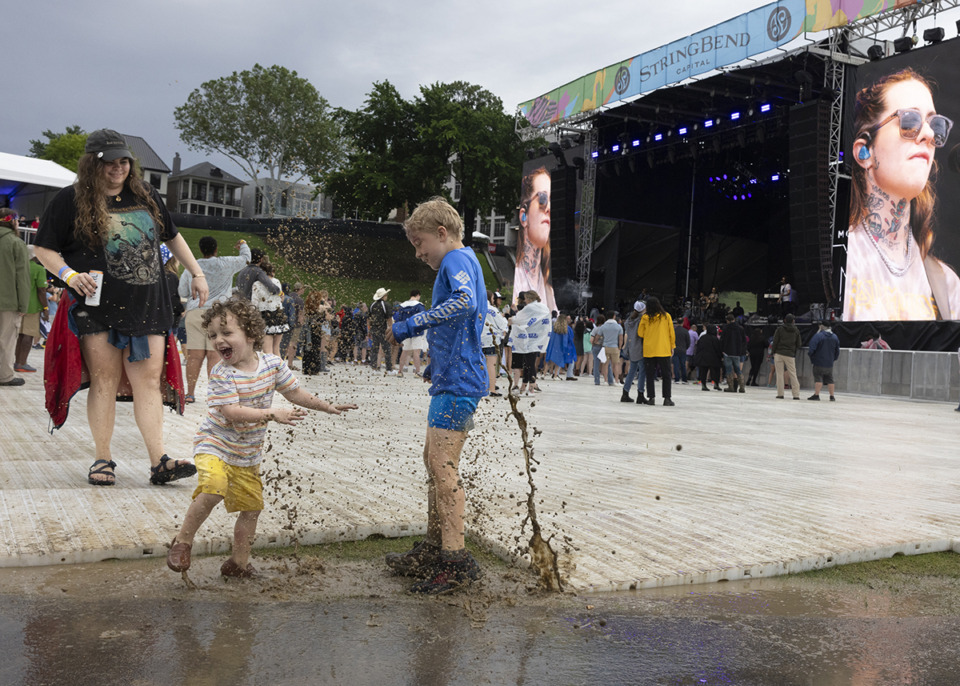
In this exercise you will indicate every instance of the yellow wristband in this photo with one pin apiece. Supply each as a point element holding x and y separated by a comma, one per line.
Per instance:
<point>70,277</point>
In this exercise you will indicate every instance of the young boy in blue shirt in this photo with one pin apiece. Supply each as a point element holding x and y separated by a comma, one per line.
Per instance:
<point>458,379</point>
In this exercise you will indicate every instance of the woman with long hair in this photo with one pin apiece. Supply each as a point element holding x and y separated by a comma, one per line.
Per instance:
<point>560,351</point>
<point>101,237</point>
<point>891,272</point>
<point>529,331</point>
<point>659,340</point>
<point>532,272</point>
<point>270,306</point>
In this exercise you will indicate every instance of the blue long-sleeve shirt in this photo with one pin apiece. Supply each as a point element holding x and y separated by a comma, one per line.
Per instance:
<point>454,326</point>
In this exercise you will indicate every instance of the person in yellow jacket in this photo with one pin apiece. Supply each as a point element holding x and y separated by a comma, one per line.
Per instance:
<point>659,340</point>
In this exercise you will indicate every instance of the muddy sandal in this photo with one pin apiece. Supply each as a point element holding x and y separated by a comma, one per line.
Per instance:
<point>170,470</point>
<point>112,478</point>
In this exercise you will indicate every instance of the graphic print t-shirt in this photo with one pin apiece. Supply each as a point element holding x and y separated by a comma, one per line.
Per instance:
<point>135,299</point>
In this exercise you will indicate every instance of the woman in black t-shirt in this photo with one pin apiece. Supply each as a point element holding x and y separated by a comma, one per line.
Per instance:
<point>111,223</point>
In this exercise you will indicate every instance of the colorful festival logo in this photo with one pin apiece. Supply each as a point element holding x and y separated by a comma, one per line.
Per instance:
<point>622,80</point>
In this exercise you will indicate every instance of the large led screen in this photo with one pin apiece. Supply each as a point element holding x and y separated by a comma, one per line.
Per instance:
<point>903,227</point>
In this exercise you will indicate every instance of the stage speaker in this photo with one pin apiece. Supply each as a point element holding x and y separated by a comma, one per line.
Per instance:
<point>809,190</point>
<point>563,227</point>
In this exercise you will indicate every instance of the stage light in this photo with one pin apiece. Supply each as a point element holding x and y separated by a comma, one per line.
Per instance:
<point>934,35</point>
<point>710,179</point>
<point>682,131</point>
<point>876,52</point>
<point>658,137</point>
<point>708,123</point>
<point>749,195</point>
<point>765,107</point>
<point>594,154</point>
<point>903,44</point>
<point>743,197</point>
<point>735,116</point>
<point>775,177</point>
<point>636,143</point>
<point>615,148</point>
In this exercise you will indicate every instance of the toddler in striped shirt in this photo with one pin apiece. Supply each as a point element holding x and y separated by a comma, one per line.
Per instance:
<point>228,447</point>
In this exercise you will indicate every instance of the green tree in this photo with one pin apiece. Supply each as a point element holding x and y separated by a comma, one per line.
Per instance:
<point>464,132</point>
<point>272,123</point>
<point>375,178</point>
<point>63,148</point>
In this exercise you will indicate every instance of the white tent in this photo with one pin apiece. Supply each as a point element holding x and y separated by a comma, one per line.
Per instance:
<point>24,170</point>
<point>28,185</point>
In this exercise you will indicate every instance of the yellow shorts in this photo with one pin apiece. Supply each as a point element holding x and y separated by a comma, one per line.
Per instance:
<point>240,487</point>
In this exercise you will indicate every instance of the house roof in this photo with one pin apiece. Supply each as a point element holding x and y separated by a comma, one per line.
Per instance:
<point>205,170</point>
<point>16,169</point>
<point>145,154</point>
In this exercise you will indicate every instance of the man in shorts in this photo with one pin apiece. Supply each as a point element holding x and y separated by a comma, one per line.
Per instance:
<point>219,272</point>
<point>458,379</point>
<point>824,350</point>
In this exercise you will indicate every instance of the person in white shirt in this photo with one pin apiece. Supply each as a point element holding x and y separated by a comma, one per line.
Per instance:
<point>219,272</point>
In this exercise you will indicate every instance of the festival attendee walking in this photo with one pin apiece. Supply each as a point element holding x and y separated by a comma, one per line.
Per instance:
<point>292,337</point>
<point>219,272</point>
<point>635,354</point>
<point>824,351</point>
<point>228,447</point>
<point>709,358</point>
<point>733,343</point>
<point>492,340</point>
<point>270,305</point>
<point>529,335</point>
<point>609,336</point>
<point>560,354</point>
<point>15,286</point>
<point>786,345</point>
<point>37,310</point>
<point>756,348</point>
<point>101,237</point>
<point>378,320</point>
<point>458,379</point>
<point>413,346</point>
<point>656,330</point>
<point>682,336</point>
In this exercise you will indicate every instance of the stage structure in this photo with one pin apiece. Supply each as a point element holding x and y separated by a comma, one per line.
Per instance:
<point>774,120</point>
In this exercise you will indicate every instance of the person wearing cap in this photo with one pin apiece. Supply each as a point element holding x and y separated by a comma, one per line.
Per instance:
<point>824,350</point>
<point>377,320</point>
<point>14,293</point>
<point>634,344</point>
<point>102,237</point>
<point>37,310</point>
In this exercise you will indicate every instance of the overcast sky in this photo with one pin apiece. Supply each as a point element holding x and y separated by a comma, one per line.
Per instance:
<point>127,65</point>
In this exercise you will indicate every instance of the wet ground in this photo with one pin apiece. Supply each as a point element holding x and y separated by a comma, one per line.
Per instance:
<point>348,622</point>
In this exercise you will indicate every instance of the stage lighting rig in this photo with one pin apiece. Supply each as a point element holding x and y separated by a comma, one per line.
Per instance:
<point>904,44</point>
<point>934,35</point>
<point>876,53</point>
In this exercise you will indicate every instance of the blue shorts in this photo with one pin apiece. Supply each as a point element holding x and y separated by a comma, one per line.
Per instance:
<point>452,412</point>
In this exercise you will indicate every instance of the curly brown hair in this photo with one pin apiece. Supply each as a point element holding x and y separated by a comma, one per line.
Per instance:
<point>92,220</point>
<point>247,316</point>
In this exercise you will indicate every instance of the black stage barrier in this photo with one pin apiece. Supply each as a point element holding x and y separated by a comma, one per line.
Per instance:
<point>916,336</point>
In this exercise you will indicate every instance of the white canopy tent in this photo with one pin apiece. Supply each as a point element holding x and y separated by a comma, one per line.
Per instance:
<point>27,184</point>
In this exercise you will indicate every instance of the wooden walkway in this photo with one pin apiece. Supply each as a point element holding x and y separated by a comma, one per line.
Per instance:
<point>722,486</point>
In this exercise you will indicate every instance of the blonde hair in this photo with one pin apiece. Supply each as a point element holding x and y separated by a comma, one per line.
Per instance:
<point>560,326</point>
<point>431,214</point>
<point>173,265</point>
<point>531,295</point>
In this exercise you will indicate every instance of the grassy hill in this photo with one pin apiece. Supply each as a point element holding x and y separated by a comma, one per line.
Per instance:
<point>350,267</point>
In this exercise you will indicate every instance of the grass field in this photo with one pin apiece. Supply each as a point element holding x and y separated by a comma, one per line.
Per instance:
<point>351,268</point>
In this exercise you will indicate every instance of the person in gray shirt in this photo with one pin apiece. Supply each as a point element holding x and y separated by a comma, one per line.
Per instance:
<point>610,336</point>
<point>635,352</point>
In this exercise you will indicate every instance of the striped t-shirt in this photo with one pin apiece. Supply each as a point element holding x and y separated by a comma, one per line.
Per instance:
<point>240,444</point>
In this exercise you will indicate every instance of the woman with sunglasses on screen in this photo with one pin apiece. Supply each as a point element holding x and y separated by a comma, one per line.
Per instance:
<point>532,272</point>
<point>891,273</point>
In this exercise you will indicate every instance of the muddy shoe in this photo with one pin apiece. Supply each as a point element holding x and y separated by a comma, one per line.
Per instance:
<point>178,557</point>
<point>415,561</point>
<point>448,575</point>
<point>233,570</point>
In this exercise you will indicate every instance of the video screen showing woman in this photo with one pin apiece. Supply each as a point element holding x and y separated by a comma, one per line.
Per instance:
<point>532,272</point>
<point>891,273</point>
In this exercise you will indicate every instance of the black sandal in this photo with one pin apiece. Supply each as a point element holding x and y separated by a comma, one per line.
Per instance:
<point>111,465</point>
<point>163,473</point>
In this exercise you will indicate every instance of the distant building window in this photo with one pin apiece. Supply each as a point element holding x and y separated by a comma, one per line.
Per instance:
<point>155,180</point>
<point>184,190</point>
<point>499,228</point>
<point>457,189</point>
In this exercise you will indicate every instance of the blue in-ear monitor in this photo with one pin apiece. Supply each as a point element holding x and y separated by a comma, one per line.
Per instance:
<point>864,153</point>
